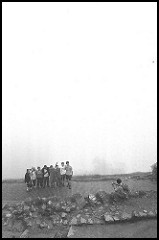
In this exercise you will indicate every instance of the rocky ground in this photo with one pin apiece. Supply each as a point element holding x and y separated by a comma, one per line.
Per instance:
<point>54,216</point>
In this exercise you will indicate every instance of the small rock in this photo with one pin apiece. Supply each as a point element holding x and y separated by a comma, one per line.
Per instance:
<point>43,225</point>
<point>83,221</point>
<point>65,222</point>
<point>108,218</point>
<point>43,206</point>
<point>90,221</point>
<point>8,215</point>
<point>126,216</point>
<point>26,208</point>
<point>50,225</point>
<point>49,202</point>
<point>142,214</point>
<point>145,211</point>
<point>68,209</point>
<point>74,221</point>
<point>116,218</point>
<point>64,215</point>
<point>151,214</point>
<point>135,214</point>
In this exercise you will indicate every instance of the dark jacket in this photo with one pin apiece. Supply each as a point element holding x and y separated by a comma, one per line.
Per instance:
<point>27,178</point>
<point>47,170</point>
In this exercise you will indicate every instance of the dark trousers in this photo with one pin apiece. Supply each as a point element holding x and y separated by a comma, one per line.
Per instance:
<point>46,181</point>
<point>34,182</point>
<point>39,182</point>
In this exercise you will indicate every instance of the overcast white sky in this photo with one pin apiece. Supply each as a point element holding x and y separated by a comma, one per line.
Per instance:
<point>79,83</point>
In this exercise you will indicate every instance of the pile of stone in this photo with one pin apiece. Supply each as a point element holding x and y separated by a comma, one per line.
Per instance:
<point>46,213</point>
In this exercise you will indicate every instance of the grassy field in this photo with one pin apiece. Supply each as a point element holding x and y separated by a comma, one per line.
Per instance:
<point>16,190</point>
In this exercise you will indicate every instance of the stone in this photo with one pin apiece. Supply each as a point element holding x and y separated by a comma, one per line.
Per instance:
<point>90,221</point>
<point>73,207</point>
<point>9,215</point>
<point>43,225</point>
<point>25,234</point>
<point>50,225</point>
<point>151,214</point>
<point>65,222</point>
<point>33,209</point>
<point>43,206</point>
<point>26,208</point>
<point>126,216</point>
<point>74,221</point>
<point>142,214</point>
<point>83,220</point>
<point>135,214</point>
<point>68,209</point>
<point>108,218</point>
<point>64,215</point>
<point>116,218</point>
<point>145,211</point>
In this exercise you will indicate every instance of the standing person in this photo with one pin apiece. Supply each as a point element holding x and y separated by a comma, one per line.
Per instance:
<point>62,173</point>
<point>69,173</point>
<point>58,176</point>
<point>33,176</point>
<point>46,174</point>
<point>52,176</point>
<point>28,180</point>
<point>39,177</point>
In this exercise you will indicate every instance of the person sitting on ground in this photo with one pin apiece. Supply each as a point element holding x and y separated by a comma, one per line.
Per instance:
<point>62,173</point>
<point>121,190</point>
<point>39,177</point>
<point>46,174</point>
<point>69,174</point>
<point>28,180</point>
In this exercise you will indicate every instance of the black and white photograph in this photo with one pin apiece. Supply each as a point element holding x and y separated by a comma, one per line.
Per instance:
<point>79,119</point>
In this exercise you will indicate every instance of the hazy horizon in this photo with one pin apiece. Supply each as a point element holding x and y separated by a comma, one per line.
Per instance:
<point>79,83</point>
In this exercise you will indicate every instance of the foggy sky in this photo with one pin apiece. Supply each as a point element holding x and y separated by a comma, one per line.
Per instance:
<point>79,83</point>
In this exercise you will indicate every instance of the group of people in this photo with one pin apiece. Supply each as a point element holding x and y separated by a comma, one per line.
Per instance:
<point>49,176</point>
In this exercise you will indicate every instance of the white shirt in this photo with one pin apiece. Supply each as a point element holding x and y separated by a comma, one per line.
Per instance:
<point>62,170</point>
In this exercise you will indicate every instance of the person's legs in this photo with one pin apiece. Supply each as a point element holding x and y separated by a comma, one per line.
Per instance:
<point>70,182</point>
<point>41,182</point>
<point>47,180</point>
<point>38,182</point>
<point>44,184</point>
<point>34,183</point>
